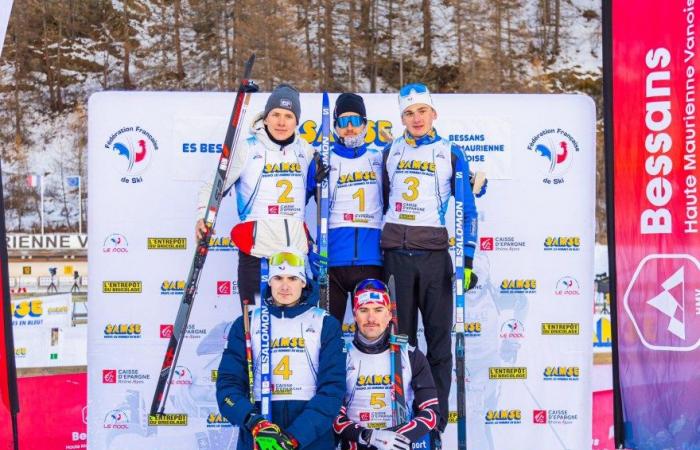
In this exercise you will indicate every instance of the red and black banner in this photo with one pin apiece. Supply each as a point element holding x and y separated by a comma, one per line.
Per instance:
<point>8,373</point>
<point>652,91</point>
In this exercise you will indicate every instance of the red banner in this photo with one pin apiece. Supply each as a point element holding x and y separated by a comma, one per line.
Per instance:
<point>53,413</point>
<point>654,104</point>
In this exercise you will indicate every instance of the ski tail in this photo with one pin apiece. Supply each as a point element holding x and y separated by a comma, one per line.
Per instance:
<point>248,351</point>
<point>322,197</point>
<point>397,341</point>
<point>460,305</point>
<point>265,337</point>
<point>172,351</point>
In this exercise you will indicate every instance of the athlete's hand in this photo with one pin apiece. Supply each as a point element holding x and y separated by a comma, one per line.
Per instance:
<point>479,182</point>
<point>269,436</point>
<point>389,440</point>
<point>200,229</point>
<point>321,169</point>
<point>315,261</point>
<point>470,279</point>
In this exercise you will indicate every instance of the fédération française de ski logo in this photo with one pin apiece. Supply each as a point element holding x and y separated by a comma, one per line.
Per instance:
<point>555,148</point>
<point>132,149</point>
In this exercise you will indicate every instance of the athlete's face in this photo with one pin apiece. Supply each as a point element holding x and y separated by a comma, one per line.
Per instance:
<point>418,119</point>
<point>286,290</point>
<point>350,130</point>
<point>372,319</point>
<point>281,123</point>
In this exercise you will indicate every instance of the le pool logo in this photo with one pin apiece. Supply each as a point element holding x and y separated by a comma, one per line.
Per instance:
<point>115,243</point>
<point>662,302</point>
<point>117,419</point>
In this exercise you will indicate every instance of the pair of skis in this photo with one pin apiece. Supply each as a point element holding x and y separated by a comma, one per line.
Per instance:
<point>240,105</point>
<point>460,305</point>
<point>322,206</point>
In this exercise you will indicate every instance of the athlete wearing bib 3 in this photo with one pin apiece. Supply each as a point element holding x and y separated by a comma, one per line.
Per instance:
<point>355,218</point>
<point>306,361</point>
<point>365,420</point>
<point>269,171</point>
<point>418,180</point>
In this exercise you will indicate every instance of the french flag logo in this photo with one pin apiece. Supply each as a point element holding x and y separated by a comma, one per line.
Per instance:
<point>33,180</point>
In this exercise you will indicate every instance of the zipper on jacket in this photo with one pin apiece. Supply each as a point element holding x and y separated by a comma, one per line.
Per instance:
<point>356,233</point>
<point>286,230</point>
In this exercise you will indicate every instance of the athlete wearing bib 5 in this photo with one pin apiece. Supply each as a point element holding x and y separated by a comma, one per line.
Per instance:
<point>365,419</point>
<point>355,217</point>
<point>307,366</point>
<point>418,180</point>
<point>269,171</point>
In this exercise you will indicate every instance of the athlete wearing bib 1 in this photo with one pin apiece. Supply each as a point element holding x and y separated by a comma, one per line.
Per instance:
<point>268,170</point>
<point>307,366</point>
<point>355,219</point>
<point>418,181</point>
<point>365,420</point>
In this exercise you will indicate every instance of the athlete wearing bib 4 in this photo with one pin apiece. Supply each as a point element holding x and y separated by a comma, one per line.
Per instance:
<point>418,182</point>
<point>307,366</point>
<point>269,171</point>
<point>365,419</point>
<point>355,217</point>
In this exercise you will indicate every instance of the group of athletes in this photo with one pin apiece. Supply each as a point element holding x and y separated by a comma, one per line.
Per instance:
<point>386,219</point>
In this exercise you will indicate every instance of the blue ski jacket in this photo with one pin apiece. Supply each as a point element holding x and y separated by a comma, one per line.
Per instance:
<point>309,422</point>
<point>349,246</point>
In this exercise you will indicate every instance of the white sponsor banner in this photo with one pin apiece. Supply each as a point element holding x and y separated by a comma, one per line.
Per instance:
<point>529,330</point>
<point>5,10</point>
<point>43,332</point>
<point>46,241</point>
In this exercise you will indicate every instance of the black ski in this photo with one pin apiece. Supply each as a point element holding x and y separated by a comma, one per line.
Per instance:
<point>200,255</point>
<point>399,412</point>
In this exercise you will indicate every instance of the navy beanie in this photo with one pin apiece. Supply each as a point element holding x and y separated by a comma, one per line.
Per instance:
<point>286,97</point>
<point>349,102</point>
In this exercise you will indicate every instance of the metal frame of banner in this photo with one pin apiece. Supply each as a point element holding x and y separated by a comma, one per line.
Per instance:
<point>610,206</point>
<point>6,307</point>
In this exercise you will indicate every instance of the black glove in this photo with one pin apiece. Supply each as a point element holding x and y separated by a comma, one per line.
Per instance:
<point>321,169</point>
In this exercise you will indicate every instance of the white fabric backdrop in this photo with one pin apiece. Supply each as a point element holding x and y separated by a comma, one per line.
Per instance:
<point>530,200</point>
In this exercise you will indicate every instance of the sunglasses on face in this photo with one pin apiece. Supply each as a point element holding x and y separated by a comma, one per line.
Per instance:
<point>355,121</point>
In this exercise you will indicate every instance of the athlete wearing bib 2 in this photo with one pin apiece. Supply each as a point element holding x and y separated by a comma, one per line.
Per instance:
<point>307,365</point>
<point>269,171</point>
<point>418,181</point>
<point>355,218</point>
<point>365,419</point>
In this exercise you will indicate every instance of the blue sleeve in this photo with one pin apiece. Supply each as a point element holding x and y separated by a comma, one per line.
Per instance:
<point>232,388</point>
<point>459,162</point>
<point>320,412</point>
